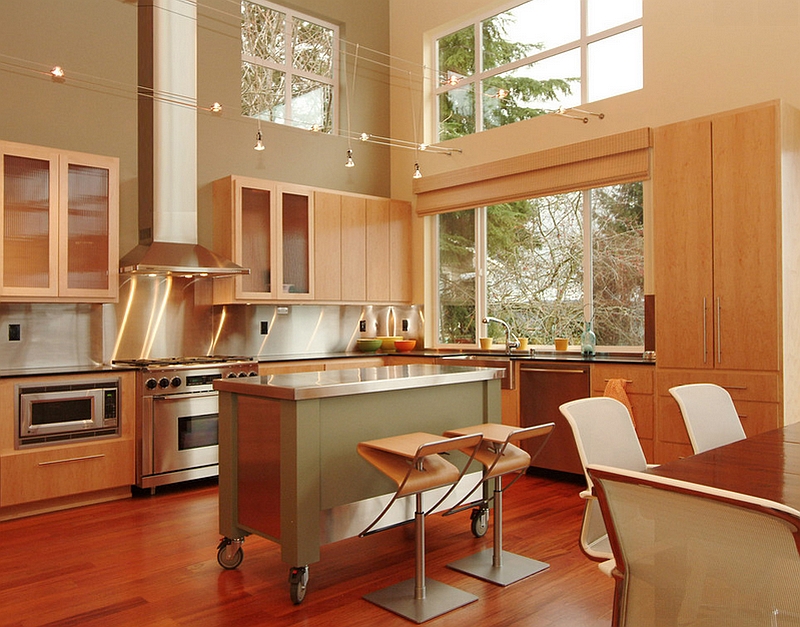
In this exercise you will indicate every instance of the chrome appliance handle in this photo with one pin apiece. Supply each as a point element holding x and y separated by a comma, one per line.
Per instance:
<point>719,331</point>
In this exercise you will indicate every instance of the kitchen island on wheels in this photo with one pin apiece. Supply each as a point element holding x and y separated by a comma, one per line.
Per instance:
<point>288,466</point>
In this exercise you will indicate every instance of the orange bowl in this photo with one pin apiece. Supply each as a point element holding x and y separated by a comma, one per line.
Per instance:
<point>405,345</point>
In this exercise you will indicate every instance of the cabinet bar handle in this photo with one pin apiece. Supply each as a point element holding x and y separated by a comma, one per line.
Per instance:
<point>734,387</point>
<point>719,324</point>
<point>71,459</point>
<point>705,331</point>
<point>626,380</point>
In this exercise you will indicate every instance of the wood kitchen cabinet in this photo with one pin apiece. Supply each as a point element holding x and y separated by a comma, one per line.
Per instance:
<point>268,228</point>
<point>44,478</point>
<point>60,216</point>
<point>725,248</point>
<point>366,246</point>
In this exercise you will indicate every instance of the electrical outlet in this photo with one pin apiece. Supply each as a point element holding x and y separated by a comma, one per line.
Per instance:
<point>405,324</point>
<point>264,327</point>
<point>283,311</point>
<point>362,326</point>
<point>14,333</point>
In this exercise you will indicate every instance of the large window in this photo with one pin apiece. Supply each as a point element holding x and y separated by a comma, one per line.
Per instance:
<point>534,58</point>
<point>545,265</point>
<point>288,67</point>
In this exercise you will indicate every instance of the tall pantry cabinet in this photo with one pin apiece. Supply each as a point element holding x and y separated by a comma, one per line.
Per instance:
<point>726,254</point>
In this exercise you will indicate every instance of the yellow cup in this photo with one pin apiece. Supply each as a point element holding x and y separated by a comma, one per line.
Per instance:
<point>523,343</point>
<point>486,343</point>
<point>562,343</point>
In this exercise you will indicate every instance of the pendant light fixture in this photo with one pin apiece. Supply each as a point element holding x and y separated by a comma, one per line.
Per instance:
<point>259,143</point>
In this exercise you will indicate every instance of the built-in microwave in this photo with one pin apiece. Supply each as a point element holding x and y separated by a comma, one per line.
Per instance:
<point>67,411</point>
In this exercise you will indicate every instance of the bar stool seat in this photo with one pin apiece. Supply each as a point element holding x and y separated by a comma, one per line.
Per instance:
<point>414,463</point>
<point>500,456</point>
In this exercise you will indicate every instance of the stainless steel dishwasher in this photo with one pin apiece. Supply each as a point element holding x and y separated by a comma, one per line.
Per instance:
<point>542,388</point>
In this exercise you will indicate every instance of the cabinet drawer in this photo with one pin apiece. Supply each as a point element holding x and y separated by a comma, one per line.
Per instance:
<point>48,473</point>
<point>639,378</point>
<point>750,386</point>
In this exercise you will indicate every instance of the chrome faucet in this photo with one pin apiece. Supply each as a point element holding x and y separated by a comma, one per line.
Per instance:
<point>509,342</point>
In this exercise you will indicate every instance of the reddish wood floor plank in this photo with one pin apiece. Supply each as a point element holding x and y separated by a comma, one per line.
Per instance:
<point>151,560</point>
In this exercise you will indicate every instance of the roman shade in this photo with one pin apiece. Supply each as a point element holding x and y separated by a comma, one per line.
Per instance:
<point>610,160</point>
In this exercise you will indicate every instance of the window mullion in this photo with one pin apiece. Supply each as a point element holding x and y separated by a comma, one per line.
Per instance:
<point>481,254</point>
<point>478,87</point>
<point>588,283</point>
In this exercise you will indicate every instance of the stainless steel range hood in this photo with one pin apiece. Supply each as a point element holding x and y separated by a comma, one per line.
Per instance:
<point>167,32</point>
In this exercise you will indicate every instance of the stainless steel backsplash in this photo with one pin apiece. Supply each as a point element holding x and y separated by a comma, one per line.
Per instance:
<point>174,317</point>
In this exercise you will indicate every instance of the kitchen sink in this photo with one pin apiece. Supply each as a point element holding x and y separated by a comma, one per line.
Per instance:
<point>508,382</point>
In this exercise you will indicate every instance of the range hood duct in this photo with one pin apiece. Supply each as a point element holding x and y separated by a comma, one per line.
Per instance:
<point>167,33</point>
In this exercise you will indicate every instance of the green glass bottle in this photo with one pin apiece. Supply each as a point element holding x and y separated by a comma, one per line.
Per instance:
<point>588,340</point>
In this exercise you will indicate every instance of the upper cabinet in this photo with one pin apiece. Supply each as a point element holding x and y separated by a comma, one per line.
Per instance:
<point>60,215</point>
<point>303,244</point>
<point>718,215</point>
<point>268,228</point>
<point>366,246</point>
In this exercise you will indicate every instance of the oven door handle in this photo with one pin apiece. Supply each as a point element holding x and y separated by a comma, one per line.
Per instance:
<point>180,395</point>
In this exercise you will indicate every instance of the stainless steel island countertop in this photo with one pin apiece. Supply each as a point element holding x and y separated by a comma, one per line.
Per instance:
<point>331,383</point>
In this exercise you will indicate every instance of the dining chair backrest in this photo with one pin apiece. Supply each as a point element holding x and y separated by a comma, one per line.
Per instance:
<point>709,414</point>
<point>604,433</point>
<point>687,554</point>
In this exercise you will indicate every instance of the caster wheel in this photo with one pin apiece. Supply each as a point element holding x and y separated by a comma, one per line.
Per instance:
<point>298,582</point>
<point>227,561</point>
<point>480,522</point>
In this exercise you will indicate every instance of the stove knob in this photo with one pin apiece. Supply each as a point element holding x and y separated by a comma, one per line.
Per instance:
<point>242,374</point>
<point>252,373</point>
<point>163,382</point>
<point>150,384</point>
<point>230,375</point>
<point>176,382</point>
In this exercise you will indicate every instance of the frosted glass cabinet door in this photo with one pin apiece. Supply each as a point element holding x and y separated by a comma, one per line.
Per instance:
<point>257,240</point>
<point>30,229</point>
<point>296,243</point>
<point>88,218</point>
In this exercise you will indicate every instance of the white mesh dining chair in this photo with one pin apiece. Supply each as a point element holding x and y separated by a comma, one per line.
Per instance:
<point>709,415</point>
<point>604,434</point>
<point>687,554</point>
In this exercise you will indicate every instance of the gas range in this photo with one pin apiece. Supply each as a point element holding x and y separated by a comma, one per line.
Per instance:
<point>178,375</point>
<point>177,414</point>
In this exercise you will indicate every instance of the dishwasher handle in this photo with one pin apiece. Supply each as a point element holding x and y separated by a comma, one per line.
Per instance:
<point>577,370</point>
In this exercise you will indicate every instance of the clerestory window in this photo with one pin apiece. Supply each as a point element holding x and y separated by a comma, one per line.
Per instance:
<point>545,265</point>
<point>289,67</point>
<point>534,58</point>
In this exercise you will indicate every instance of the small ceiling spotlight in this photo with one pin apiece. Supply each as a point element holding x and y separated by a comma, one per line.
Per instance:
<point>349,163</point>
<point>58,74</point>
<point>423,146</point>
<point>417,173</point>
<point>364,137</point>
<point>259,144</point>
<point>216,108</point>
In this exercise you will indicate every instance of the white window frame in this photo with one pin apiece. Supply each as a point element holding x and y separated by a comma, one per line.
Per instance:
<point>289,70</point>
<point>432,329</point>
<point>479,76</point>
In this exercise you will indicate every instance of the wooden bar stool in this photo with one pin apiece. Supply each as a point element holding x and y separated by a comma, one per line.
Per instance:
<point>500,456</point>
<point>413,462</point>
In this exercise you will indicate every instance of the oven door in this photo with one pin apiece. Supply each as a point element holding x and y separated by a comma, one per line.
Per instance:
<point>185,431</point>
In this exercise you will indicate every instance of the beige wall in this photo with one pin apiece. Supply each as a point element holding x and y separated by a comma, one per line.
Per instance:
<point>95,110</point>
<point>699,58</point>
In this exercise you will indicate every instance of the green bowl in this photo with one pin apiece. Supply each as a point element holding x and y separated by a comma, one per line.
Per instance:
<point>368,345</point>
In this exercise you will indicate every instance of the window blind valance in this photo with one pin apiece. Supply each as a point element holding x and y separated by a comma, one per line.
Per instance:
<point>620,158</point>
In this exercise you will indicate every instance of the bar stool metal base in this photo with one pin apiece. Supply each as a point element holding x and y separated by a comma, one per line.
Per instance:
<point>439,599</point>
<point>512,568</point>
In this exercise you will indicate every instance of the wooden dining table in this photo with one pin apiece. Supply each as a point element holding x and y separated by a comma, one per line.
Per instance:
<point>766,465</point>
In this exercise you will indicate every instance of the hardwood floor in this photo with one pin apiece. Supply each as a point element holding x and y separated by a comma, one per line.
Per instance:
<point>151,560</point>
